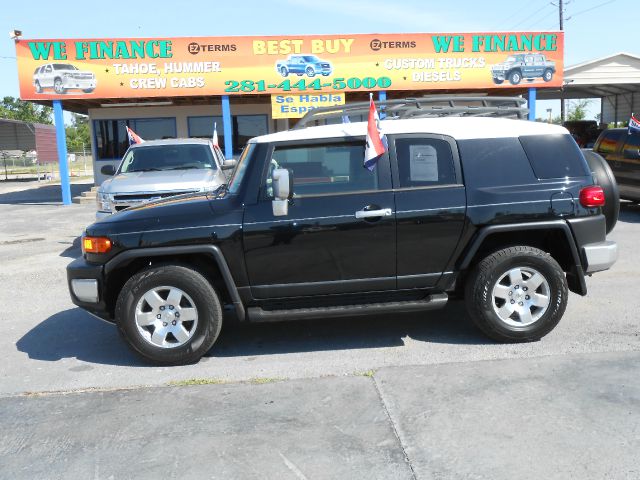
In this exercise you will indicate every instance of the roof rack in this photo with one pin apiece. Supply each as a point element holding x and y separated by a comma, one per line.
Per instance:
<point>429,106</point>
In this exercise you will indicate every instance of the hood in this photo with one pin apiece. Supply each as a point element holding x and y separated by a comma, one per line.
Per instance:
<point>163,181</point>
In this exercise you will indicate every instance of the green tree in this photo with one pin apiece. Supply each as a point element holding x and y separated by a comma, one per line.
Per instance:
<point>578,109</point>
<point>16,109</point>
<point>78,134</point>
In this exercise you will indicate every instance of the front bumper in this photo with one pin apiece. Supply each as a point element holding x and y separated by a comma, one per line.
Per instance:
<point>87,287</point>
<point>600,256</point>
<point>84,83</point>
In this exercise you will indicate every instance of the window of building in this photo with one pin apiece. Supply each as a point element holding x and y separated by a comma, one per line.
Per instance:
<point>245,127</point>
<point>324,169</point>
<point>424,162</point>
<point>111,135</point>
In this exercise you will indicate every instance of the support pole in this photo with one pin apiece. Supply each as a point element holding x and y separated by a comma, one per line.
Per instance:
<point>382,97</point>
<point>227,127</point>
<point>532,104</point>
<point>61,140</point>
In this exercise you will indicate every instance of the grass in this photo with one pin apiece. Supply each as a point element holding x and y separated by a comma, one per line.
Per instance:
<point>366,373</point>
<point>197,381</point>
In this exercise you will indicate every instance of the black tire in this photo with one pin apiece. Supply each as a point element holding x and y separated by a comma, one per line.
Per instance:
<point>605,178</point>
<point>497,81</point>
<point>87,90</point>
<point>310,72</point>
<point>515,77</point>
<point>38,87</point>
<point>284,72</point>
<point>480,301</point>
<point>547,75</point>
<point>57,86</point>
<point>198,290</point>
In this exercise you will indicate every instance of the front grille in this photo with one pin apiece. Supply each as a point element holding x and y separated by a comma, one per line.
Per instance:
<point>141,197</point>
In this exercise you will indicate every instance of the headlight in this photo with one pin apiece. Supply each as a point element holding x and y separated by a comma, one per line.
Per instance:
<point>103,201</point>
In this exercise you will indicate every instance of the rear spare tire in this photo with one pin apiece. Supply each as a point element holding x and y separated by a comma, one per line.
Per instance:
<point>604,177</point>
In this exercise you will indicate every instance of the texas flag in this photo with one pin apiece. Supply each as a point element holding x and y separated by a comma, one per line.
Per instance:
<point>634,125</point>
<point>376,140</point>
<point>133,137</point>
<point>215,134</point>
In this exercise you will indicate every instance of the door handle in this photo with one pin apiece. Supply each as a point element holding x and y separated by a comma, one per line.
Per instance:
<point>384,212</point>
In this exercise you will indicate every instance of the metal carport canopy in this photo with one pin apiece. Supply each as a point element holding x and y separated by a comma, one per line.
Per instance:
<point>617,74</point>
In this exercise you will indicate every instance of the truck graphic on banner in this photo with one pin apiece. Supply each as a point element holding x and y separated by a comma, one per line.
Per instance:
<point>527,66</point>
<point>308,65</point>
<point>62,77</point>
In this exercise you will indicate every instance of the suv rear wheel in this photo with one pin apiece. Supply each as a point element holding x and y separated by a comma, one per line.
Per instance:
<point>517,294</point>
<point>547,76</point>
<point>169,314</point>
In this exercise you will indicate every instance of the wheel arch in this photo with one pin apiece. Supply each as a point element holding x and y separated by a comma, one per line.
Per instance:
<point>553,237</point>
<point>120,268</point>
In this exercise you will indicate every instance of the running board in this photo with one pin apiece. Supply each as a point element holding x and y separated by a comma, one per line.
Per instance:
<point>432,302</point>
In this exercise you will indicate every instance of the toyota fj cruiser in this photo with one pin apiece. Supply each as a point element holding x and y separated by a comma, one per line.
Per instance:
<point>505,213</point>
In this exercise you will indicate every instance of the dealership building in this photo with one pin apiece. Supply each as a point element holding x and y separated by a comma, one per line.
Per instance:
<point>250,86</point>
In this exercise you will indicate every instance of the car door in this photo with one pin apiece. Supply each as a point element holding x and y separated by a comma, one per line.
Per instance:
<point>528,69</point>
<point>630,166</point>
<point>609,145</point>
<point>339,233</point>
<point>430,206</point>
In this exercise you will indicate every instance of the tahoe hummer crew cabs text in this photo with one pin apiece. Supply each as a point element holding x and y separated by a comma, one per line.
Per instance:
<point>504,213</point>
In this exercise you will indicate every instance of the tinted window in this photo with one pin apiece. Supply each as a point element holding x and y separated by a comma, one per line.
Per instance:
<point>609,140</point>
<point>111,137</point>
<point>424,162</point>
<point>325,169</point>
<point>632,146</point>
<point>554,156</point>
<point>489,162</point>
<point>244,128</point>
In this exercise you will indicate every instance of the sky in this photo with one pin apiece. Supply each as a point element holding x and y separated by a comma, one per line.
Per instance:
<point>593,28</point>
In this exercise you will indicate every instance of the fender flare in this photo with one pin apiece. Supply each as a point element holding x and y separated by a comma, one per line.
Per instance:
<point>129,255</point>
<point>575,275</point>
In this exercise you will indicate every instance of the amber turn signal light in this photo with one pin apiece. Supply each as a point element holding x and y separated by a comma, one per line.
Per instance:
<point>96,244</point>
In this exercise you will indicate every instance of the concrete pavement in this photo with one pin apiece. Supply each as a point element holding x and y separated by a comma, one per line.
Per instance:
<point>575,416</point>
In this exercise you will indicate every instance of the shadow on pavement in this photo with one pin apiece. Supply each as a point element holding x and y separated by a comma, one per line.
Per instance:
<point>443,326</point>
<point>76,334</point>
<point>74,251</point>
<point>42,195</point>
<point>629,212</point>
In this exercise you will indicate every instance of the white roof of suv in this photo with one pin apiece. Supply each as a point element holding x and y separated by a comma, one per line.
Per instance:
<point>459,128</point>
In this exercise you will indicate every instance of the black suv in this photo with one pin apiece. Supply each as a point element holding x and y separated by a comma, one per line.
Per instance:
<point>501,212</point>
<point>621,149</point>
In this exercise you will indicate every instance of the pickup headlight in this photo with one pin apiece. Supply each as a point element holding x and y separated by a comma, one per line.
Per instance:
<point>104,205</point>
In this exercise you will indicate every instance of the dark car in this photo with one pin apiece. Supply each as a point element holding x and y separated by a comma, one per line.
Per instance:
<point>622,152</point>
<point>503,213</point>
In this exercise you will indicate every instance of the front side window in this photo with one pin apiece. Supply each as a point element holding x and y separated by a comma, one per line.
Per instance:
<point>609,141</point>
<point>168,157</point>
<point>324,169</point>
<point>424,162</point>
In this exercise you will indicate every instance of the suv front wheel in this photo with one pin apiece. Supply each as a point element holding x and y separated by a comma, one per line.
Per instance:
<point>517,294</point>
<point>169,314</point>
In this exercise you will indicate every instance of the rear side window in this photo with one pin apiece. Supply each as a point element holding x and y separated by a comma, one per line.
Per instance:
<point>423,162</point>
<point>492,162</point>
<point>554,156</point>
<point>609,141</point>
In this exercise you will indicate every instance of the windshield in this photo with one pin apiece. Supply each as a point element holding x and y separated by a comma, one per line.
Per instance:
<point>167,157</point>
<point>63,66</point>
<point>241,168</point>
<point>311,58</point>
<point>511,58</point>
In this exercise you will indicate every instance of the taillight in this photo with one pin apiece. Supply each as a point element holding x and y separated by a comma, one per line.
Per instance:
<point>96,244</point>
<point>592,196</point>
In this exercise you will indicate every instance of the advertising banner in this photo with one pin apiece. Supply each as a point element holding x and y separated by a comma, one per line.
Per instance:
<point>297,105</point>
<point>305,64</point>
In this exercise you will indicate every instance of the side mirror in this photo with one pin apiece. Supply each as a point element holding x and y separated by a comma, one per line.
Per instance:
<point>229,164</point>
<point>282,191</point>
<point>108,170</point>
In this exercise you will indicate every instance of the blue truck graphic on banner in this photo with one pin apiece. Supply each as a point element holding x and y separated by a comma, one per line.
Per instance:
<point>308,65</point>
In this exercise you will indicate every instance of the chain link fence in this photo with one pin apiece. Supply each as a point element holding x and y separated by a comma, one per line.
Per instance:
<point>25,166</point>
